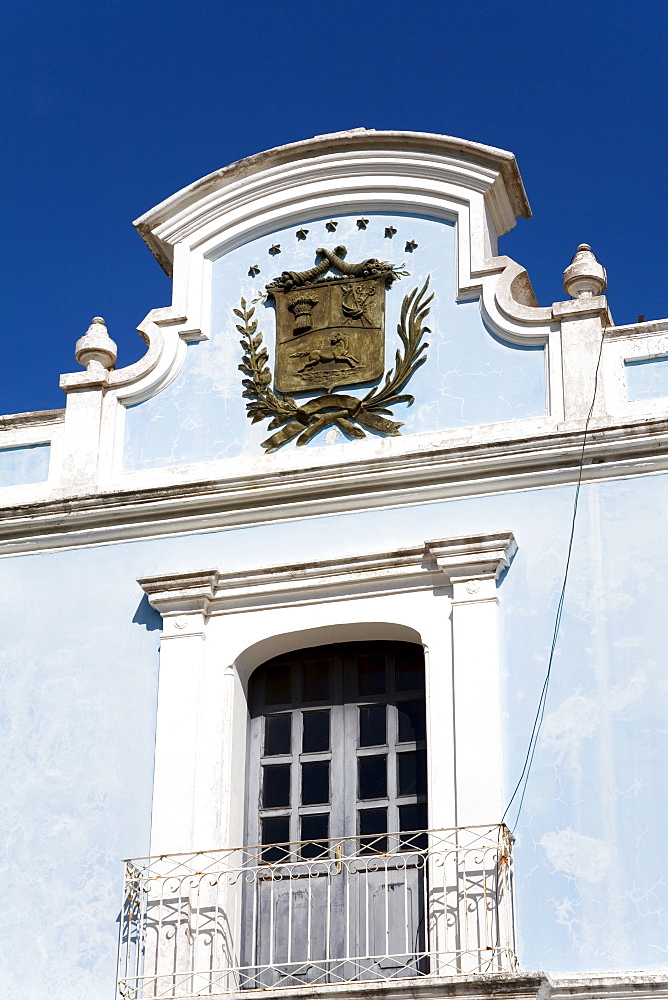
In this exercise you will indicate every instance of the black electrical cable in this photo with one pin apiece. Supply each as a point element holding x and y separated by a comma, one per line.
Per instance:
<point>540,711</point>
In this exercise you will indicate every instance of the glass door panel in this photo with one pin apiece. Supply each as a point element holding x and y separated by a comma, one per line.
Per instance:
<point>337,766</point>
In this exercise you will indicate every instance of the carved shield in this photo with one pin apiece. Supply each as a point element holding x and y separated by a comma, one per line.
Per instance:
<point>330,333</point>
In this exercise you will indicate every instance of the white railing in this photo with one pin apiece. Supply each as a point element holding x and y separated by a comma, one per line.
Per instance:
<point>404,905</point>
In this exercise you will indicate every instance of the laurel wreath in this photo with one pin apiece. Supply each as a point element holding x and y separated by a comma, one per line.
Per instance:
<point>349,413</point>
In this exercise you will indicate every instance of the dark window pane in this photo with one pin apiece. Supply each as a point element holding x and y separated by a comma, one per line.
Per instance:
<point>412,721</point>
<point>278,690</point>
<point>315,680</point>
<point>275,830</point>
<point>372,822</point>
<point>276,786</point>
<point>373,728</point>
<point>410,669</point>
<point>315,783</point>
<point>372,777</point>
<point>412,773</point>
<point>413,818</point>
<point>315,830</point>
<point>277,731</point>
<point>371,674</point>
<point>315,737</point>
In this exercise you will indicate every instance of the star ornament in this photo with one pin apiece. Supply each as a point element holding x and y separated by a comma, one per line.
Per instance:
<point>362,223</point>
<point>253,270</point>
<point>331,226</point>
<point>390,232</point>
<point>275,249</point>
<point>410,246</point>
<point>301,234</point>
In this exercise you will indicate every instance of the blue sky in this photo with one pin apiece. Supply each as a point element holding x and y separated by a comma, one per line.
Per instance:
<point>107,109</point>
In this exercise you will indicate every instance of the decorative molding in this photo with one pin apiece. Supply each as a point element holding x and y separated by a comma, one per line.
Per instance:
<point>151,332</point>
<point>434,564</point>
<point>456,466</point>
<point>179,215</point>
<point>190,625</point>
<point>182,593</point>
<point>423,567</point>
<point>477,186</point>
<point>474,558</point>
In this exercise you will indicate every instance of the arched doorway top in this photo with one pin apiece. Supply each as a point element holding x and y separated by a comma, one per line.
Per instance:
<point>266,649</point>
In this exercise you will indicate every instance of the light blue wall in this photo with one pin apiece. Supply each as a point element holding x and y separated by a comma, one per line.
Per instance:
<point>646,378</point>
<point>79,696</point>
<point>77,720</point>
<point>28,464</point>
<point>470,377</point>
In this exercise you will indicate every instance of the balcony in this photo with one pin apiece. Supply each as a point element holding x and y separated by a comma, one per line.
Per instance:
<point>367,909</point>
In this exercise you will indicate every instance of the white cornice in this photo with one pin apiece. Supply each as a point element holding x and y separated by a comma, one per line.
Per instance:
<point>429,475</point>
<point>434,564</point>
<point>182,207</point>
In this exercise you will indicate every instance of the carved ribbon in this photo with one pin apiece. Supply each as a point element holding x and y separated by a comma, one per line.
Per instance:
<point>331,260</point>
<point>366,267</point>
<point>331,409</point>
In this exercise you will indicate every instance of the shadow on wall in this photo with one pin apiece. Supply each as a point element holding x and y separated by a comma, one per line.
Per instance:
<point>147,616</point>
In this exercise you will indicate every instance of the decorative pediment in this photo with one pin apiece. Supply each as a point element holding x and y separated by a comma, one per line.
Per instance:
<point>346,294</point>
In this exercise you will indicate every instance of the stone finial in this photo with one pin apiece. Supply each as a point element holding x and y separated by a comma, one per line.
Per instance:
<point>96,350</point>
<point>584,276</point>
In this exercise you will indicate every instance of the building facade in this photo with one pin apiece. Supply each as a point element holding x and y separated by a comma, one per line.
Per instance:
<point>280,601</point>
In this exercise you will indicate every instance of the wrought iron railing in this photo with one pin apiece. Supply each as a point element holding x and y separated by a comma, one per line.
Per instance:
<point>435,903</point>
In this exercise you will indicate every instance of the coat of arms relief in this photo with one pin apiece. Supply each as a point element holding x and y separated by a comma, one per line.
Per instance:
<point>330,334</point>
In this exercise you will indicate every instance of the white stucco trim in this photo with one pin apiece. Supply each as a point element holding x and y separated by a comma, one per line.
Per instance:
<point>218,626</point>
<point>476,461</point>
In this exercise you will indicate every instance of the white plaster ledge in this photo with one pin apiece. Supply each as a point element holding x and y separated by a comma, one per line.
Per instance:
<point>634,331</point>
<point>601,986</point>
<point>506,986</point>
<point>434,564</point>
<point>596,305</point>
<point>33,418</point>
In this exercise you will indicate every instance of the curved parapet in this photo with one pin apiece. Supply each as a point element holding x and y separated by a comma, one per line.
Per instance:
<point>340,303</point>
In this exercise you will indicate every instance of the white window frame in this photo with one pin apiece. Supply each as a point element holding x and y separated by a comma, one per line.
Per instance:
<point>219,626</point>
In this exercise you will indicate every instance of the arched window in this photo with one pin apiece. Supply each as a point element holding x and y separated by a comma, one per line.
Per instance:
<point>337,773</point>
<point>338,744</point>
